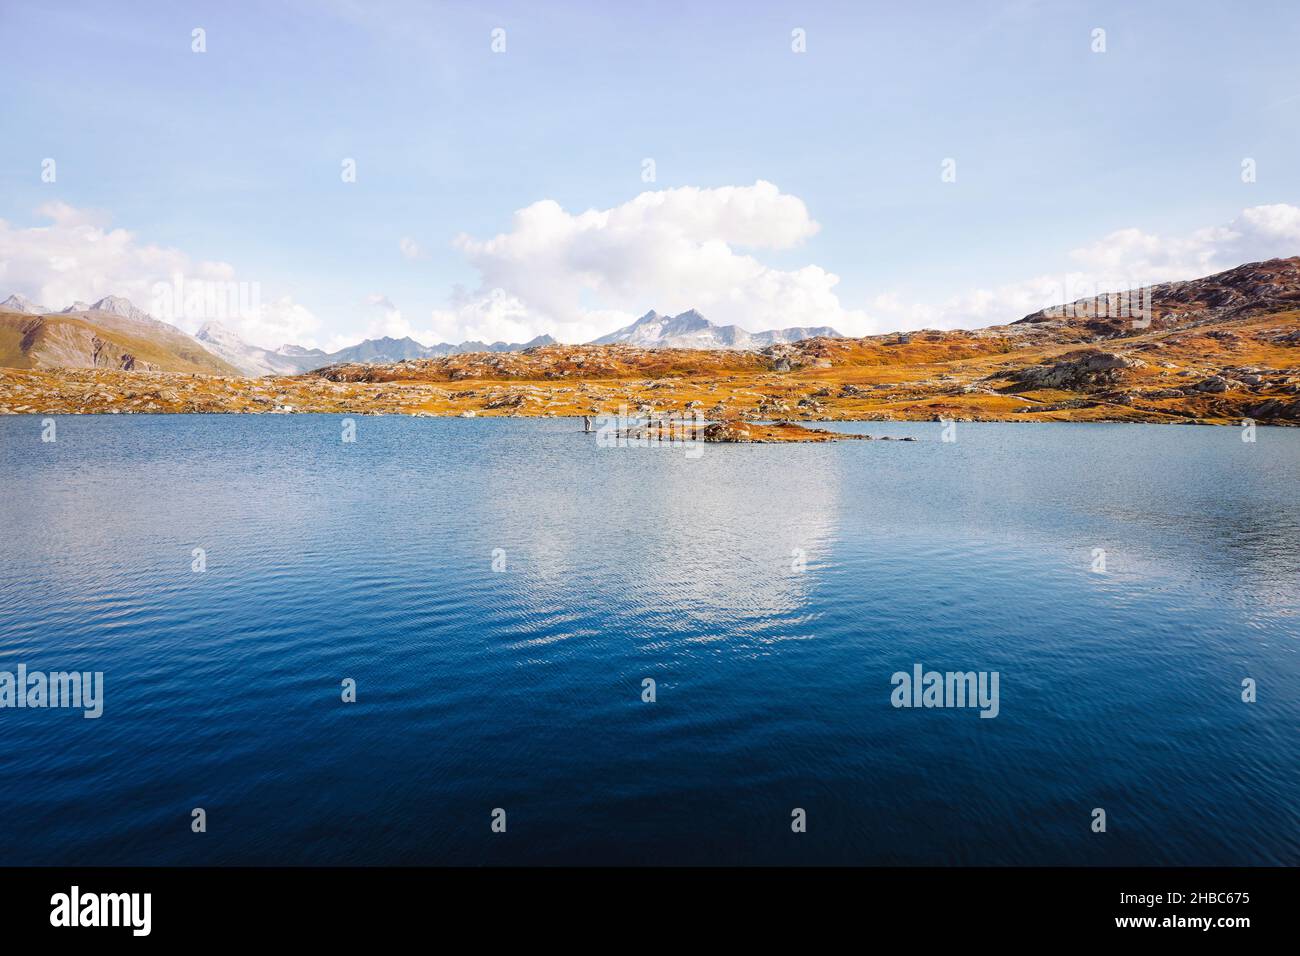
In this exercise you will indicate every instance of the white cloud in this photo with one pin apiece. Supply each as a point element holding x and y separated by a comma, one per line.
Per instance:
<point>78,256</point>
<point>580,275</point>
<point>495,316</point>
<point>279,322</point>
<point>1259,232</point>
<point>492,317</point>
<point>1124,259</point>
<point>410,248</point>
<point>386,321</point>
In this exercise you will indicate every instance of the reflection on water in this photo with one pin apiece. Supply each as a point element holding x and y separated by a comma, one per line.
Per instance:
<point>770,591</point>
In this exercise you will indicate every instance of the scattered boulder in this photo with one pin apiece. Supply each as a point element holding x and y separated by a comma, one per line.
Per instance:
<point>729,430</point>
<point>1275,410</point>
<point>1076,371</point>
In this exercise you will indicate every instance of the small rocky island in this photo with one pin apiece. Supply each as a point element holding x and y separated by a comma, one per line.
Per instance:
<point>736,431</point>
<point>743,432</point>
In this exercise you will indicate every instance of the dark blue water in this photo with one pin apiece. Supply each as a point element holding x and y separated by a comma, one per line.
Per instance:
<point>521,689</point>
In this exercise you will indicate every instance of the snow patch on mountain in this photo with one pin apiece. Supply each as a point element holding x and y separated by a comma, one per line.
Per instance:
<point>250,359</point>
<point>691,330</point>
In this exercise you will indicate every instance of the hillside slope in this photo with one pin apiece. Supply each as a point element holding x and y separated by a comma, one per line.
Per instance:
<point>98,339</point>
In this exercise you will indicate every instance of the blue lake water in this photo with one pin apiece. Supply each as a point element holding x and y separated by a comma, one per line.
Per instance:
<point>521,689</point>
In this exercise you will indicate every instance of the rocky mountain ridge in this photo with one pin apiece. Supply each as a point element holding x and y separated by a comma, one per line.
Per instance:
<point>691,330</point>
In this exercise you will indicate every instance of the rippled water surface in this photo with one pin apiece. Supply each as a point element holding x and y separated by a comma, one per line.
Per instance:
<point>522,689</point>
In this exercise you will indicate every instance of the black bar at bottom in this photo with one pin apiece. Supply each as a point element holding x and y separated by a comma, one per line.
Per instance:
<point>212,905</point>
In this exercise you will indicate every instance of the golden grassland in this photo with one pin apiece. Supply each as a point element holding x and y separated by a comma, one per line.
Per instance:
<point>1213,372</point>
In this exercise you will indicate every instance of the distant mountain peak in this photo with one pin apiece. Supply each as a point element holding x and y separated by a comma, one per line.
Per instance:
<point>20,303</point>
<point>291,359</point>
<point>213,331</point>
<point>691,330</point>
<point>297,350</point>
<point>250,359</point>
<point>112,334</point>
<point>117,305</point>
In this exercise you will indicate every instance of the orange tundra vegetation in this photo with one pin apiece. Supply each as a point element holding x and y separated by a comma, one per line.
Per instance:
<point>1214,350</point>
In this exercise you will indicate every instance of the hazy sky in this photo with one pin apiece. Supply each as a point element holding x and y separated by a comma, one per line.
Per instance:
<point>502,194</point>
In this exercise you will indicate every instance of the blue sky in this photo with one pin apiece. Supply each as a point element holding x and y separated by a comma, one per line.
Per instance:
<point>1124,165</point>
